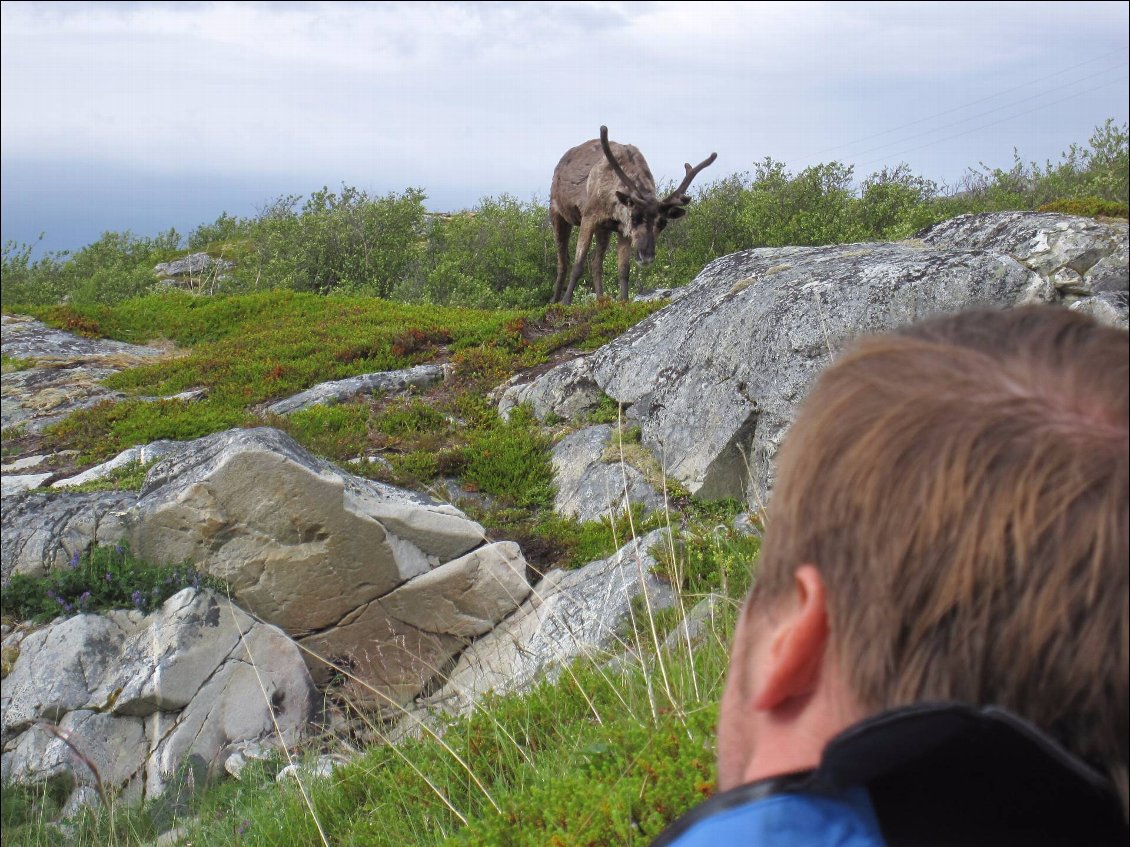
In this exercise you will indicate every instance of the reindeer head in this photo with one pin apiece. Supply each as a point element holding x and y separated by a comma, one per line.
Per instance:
<point>647,214</point>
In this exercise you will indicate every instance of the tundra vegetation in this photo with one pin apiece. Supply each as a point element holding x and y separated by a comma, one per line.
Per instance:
<point>344,283</point>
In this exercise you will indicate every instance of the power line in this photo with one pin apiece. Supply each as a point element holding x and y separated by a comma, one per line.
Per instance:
<point>1024,85</point>
<point>992,111</point>
<point>976,128</point>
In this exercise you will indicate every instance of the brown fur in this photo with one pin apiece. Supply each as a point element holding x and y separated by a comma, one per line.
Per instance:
<point>605,188</point>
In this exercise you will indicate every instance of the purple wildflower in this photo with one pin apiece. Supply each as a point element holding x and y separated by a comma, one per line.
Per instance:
<point>74,560</point>
<point>138,600</point>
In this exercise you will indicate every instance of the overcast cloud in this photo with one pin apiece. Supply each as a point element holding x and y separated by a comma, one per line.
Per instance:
<point>150,115</point>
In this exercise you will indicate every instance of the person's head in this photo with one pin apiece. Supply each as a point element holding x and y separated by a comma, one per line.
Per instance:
<point>949,523</point>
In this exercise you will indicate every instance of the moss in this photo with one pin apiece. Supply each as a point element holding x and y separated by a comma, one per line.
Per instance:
<point>1087,207</point>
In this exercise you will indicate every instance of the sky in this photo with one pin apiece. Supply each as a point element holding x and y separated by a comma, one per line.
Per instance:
<point>146,116</point>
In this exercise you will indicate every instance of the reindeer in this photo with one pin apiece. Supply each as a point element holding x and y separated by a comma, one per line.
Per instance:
<point>606,188</point>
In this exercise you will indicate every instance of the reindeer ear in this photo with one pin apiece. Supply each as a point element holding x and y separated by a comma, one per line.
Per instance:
<point>674,212</point>
<point>626,199</point>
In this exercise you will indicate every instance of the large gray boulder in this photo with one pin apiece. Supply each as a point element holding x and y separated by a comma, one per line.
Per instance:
<point>379,585</point>
<point>137,696</point>
<point>302,543</point>
<point>715,379</point>
<point>569,614</point>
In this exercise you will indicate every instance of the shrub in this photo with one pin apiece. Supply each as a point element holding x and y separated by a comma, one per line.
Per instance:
<point>100,579</point>
<point>499,254</point>
<point>338,431</point>
<point>511,460</point>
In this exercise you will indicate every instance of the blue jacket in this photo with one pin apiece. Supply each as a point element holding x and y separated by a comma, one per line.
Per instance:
<point>929,776</point>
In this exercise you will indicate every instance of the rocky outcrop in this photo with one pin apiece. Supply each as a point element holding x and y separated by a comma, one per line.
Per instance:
<point>385,382</point>
<point>138,696</point>
<point>596,479</point>
<point>714,379</point>
<point>67,373</point>
<point>569,614</point>
<point>331,558</point>
<point>141,455</point>
<point>44,532</point>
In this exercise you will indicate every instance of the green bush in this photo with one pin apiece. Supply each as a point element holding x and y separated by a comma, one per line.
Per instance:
<point>347,242</point>
<point>499,254</point>
<point>102,578</point>
<point>337,431</point>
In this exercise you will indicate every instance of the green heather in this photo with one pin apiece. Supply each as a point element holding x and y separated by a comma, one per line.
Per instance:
<point>344,283</point>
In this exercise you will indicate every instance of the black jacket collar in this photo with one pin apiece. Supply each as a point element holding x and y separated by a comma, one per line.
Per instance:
<point>941,775</point>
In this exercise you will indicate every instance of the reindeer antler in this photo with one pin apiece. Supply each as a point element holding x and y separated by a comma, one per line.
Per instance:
<point>689,178</point>
<point>635,189</point>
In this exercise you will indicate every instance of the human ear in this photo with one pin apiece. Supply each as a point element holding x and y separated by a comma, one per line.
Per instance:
<point>797,643</point>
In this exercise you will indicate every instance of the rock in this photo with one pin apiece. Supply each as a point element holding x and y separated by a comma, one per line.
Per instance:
<point>385,382</point>
<point>141,696</point>
<point>57,671</point>
<point>1111,273</point>
<point>26,338</point>
<point>715,378</point>
<point>1045,242</point>
<point>378,584</point>
<point>193,265</point>
<point>321,768</point>
<point>377,661</point>
<point>34,399</point>
<point>82,798</point>
<point>699,624</point>
<point>589,486</point>
<point>302,543</point>
<point>465,597</point>
<point>68,372</point>
<point>1107,307</point>
<point>17,483</point>
<point>260,690</point>
<point>569,614</point>
<point>746,524</point>
<point>23,464</point>
<point>44,532</point>
<point>571,392</point>
<point>245,754</point>
<point>143,455</point>
<point>113,747</point>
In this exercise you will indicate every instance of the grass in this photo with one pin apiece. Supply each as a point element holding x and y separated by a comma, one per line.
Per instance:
<point>251,349</point>
<point>12,364</point>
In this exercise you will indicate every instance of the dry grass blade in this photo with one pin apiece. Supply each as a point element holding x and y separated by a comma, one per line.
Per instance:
<point>278,729</point>
<point>65,736</point>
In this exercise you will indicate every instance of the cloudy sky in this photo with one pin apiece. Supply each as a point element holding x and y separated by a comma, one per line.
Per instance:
<point>143,116</point>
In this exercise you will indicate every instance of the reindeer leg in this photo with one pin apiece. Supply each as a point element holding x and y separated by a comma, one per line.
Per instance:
<point>596,263</point>
<point>584,239</point>
<point>561,230</point>
<point>623,264</point>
